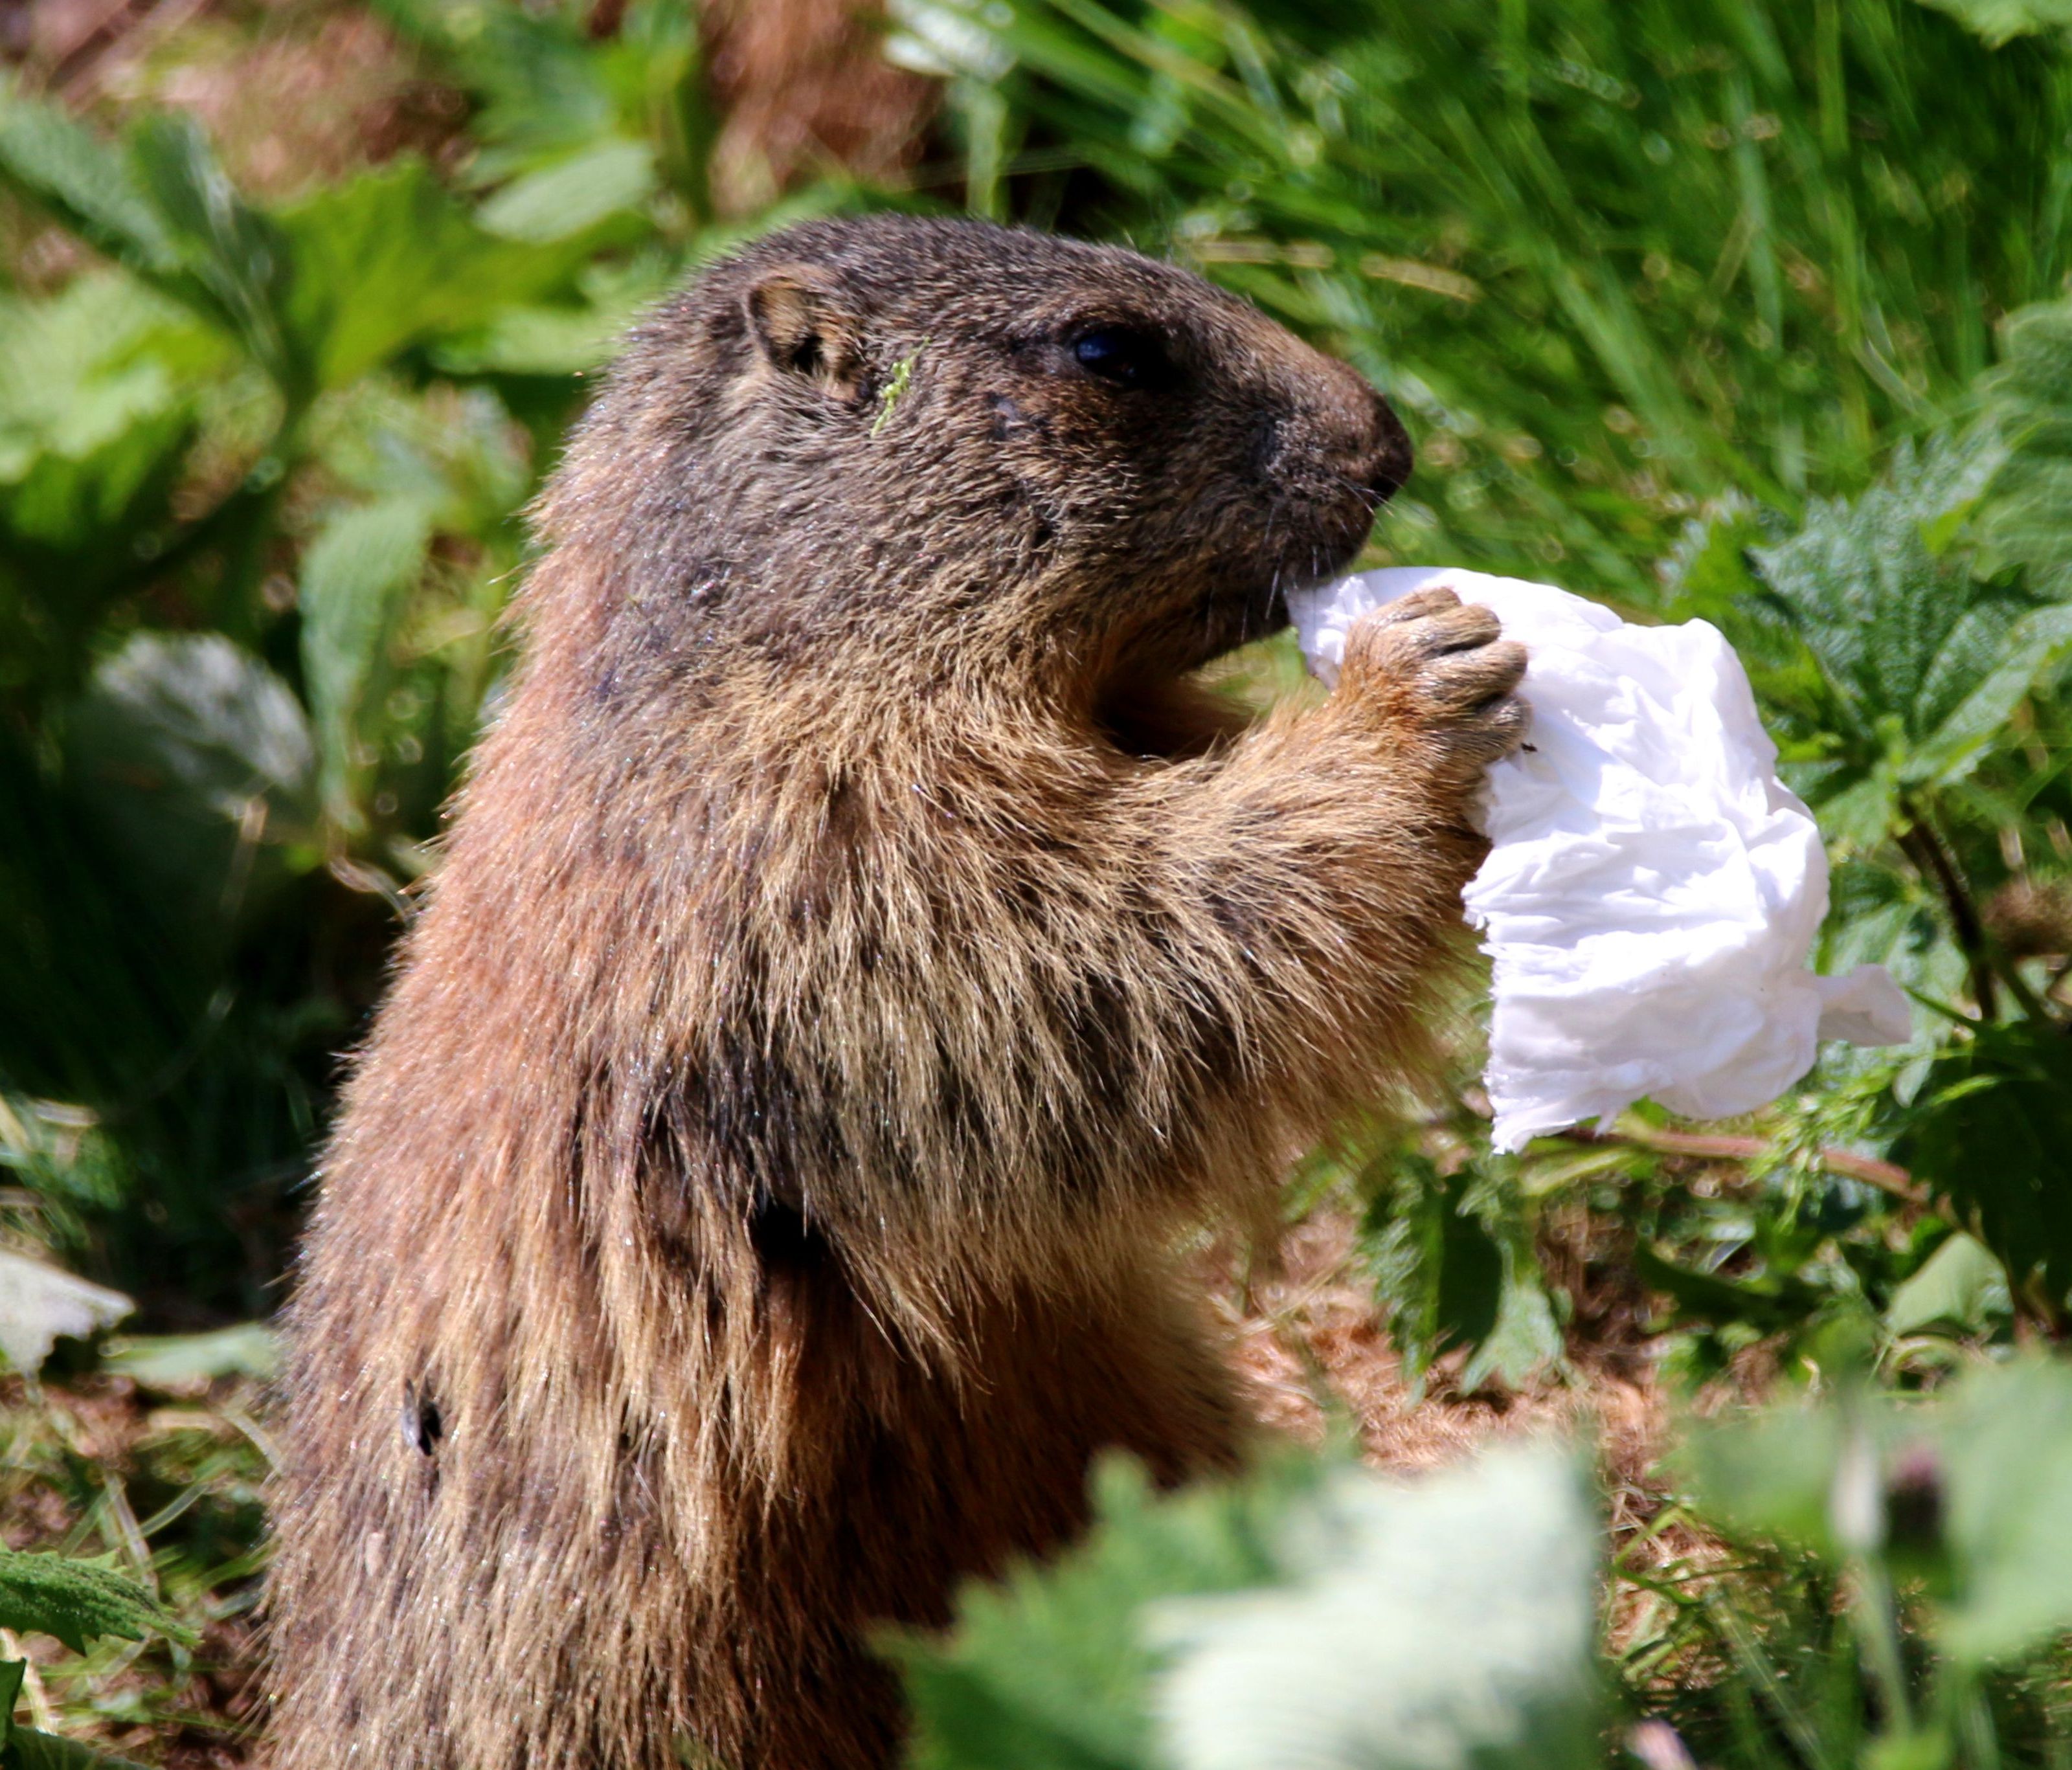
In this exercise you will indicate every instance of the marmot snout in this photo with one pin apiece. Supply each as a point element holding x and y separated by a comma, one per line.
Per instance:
<point>858,952</point>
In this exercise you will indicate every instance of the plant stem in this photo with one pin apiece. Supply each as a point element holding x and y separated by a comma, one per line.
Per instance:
<point>1920,844</point>
<point>1887,1176</point>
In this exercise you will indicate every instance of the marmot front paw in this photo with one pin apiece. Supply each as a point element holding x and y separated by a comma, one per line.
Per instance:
<point>1438,672</point>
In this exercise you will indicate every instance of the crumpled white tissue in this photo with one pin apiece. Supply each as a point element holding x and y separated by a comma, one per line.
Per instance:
<point>1652,890</point>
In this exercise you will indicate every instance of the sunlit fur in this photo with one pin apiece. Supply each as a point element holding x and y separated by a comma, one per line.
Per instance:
<point>857,955</point>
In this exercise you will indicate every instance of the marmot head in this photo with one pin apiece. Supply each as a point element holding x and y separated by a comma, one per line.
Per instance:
<point>938,441</point>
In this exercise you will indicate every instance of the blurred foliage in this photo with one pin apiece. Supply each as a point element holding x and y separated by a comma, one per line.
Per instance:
<point>1615,261</point>
<point>1737,311</point>
<point>1315,1616</point>
<point>1882,1583</point>
<point>147,1491</point>
<point>262,473</point>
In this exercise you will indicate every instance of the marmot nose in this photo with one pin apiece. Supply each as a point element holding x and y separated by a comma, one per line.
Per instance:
<point>1379,454</point>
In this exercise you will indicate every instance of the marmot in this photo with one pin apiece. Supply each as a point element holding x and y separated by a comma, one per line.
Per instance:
<point>858,950</point>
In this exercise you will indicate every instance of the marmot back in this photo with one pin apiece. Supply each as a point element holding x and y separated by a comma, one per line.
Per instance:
<point>859,950</point>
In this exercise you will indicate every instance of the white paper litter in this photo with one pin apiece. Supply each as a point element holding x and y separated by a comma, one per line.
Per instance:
<point>1652,891</point>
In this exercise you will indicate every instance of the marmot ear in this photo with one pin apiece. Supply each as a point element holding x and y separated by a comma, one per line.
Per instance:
<point>805,325</point>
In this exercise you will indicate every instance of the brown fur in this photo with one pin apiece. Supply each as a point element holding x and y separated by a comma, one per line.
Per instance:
<point>858,953</point>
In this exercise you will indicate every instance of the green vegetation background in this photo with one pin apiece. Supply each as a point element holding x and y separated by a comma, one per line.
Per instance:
<point>1726,308</point>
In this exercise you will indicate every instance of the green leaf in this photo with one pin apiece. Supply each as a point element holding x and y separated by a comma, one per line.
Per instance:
<point>1959,1286</point>
<point>1438,1268</point>
<point>1768,1474</point>
<point>78,1600</point>
<point>225,247</point>
<point>2000,20</point>
<point>2030,398</point>
<point>172,1360</point>
<point>1426,1625</point>
<point>390,260</point>
<point>91,186</point>
<point>2029,651</point>
<point>2004,1438</point>
<point>1770,1304</point>
<point>29,1750</point>
<point>1992,1132</point>
<point>356,575</point>
<point>40,1305</point>
<point>562,200</point>
<point>1902,637</point>
<point>1050,1667</point>
<point>187,749</point>
<point>100,389</point>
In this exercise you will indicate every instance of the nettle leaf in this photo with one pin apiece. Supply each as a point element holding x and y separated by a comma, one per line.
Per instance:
<point>1859,585</point>
<point>1923,661</point>
<point>390,260</point>
<point>2030,398</point>
<point>1049,1668</point>
<point>89,184</point>
<point>225,246</point>
<point>1426,1626</point>
<point>158,203</point>
<point>1992,1132</point>
<point>78,1601</point>
<point>1313,1617</point>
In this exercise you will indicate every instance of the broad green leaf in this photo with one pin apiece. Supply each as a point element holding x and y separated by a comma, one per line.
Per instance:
<point>2000,20</point>
<point>1524,1342</point>
<point>82,369</point>
<point>1768,1474</point>
<point>91,186</point>
<point>1438,1268</point>
<point>356,575</point>
<point>160,204</point>
<point>1959,1286</point>
<point>1772,1302</point>
<point>1049,1669</point>
<point>224,245</point>
<point>555,341</point>
<point>1992,1132</point>
<point>99,392</point>
<point>1902,637</point>
<point>27,1749</point>
<point>187,748</point>
<point>1429,1625</point>
<point>560,201</point>
<point>390,260</point>
<point>77,1601</point>
<point>1972,1487</point>
<point>161,1361</point>
<point>2005,1442</point>
<point>40,1305</point>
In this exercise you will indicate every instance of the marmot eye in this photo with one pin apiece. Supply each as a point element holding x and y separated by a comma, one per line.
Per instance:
<point>1123,355</point>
